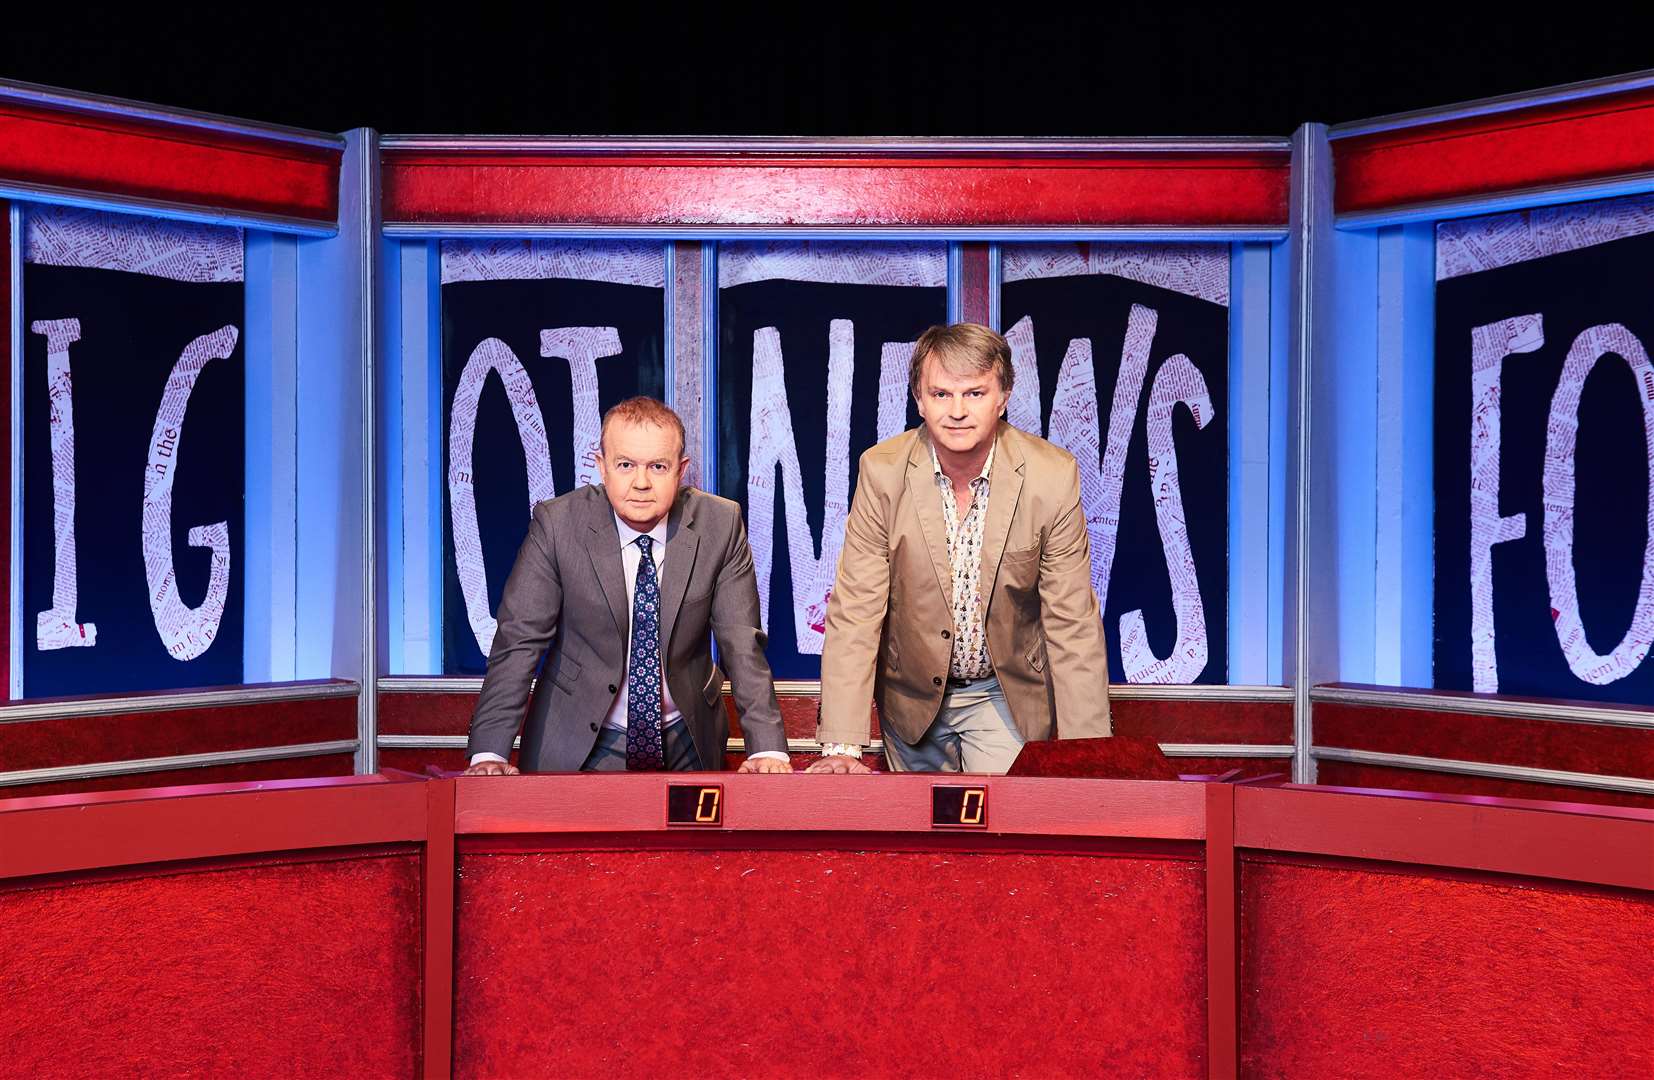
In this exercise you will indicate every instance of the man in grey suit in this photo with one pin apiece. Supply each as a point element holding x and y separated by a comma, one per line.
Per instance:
<point>621,583</point>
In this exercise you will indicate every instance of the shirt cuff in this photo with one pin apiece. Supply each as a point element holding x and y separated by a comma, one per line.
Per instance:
<point>778,755</point>
<point>840,749</point>
<point>486,756</point>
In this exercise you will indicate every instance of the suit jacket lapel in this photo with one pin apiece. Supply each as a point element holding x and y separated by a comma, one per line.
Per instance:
<point>605,555</point>
<point>927,505</point>
<point>1004,488</point>
<point>681,544</point>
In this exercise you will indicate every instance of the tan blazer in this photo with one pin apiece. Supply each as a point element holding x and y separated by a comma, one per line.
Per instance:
<point>889,623</point>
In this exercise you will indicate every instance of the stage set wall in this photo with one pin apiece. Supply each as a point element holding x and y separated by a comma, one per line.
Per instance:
<point>1328,585</point>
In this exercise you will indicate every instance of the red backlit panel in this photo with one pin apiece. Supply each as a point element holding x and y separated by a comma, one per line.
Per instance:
<point>1566,143</point>
<point>79,740</point>
<point>630,963</point>
<point>126,157</point>
<point>280,769</point>
<point>677,190</point>
<point>1364,973</point>
<point>291,968</point>
<point>1504,740</point>
<point>1345,774</point>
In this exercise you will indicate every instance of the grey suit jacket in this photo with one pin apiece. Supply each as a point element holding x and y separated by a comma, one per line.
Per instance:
<point>567,594</point>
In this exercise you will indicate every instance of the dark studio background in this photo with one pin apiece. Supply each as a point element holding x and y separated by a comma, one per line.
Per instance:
<point>1152,69</point>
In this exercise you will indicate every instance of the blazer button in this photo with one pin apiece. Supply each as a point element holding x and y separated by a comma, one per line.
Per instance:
<point>613,689</point>
<point>594,726</point>
<point>937,680</point>
<point>946,635</point>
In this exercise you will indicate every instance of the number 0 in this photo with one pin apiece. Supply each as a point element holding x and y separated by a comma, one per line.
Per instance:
<point>706,807</point>
<point>968,815</point>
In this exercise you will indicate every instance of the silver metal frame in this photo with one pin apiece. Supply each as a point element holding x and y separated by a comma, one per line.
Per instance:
<point>806,145</point>
<point>1631,784</point>
<point>58,773</point>
<point>472,684</point>
<point>135,204</point>
<point>55,98</point>
<point>367,705</point>
<point>51,709</point>
<point>1425,701</point>
<point>1311,192</point>
<point>1491,105</point>
<point>454,230</point>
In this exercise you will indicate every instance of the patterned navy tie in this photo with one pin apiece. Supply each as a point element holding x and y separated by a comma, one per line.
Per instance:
<point>643,742</point>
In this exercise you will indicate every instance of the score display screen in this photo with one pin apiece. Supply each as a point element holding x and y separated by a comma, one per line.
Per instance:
<point>956,806</point>
<point>695,804</point>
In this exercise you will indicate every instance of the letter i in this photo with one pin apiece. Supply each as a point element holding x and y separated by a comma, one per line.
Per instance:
<point>57,628</point>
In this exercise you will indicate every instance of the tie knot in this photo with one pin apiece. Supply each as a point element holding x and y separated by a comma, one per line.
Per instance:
<point>644,543</point>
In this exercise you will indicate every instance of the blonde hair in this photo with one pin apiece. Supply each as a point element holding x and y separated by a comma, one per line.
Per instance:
<point>644,410</point>
<point>962,348</point>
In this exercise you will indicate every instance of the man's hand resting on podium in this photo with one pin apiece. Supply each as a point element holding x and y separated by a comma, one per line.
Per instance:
<point>839,763</point>
<point>492,768</point>
<point>765,764</point>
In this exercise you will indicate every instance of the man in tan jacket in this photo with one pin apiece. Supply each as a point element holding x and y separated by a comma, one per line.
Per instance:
<point>963,604</point>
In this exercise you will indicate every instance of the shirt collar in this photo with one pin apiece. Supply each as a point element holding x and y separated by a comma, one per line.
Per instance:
<point>987,464</point>
<point>628,534</point>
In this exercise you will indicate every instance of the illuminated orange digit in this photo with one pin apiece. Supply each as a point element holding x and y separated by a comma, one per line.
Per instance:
<point>966,815</point>
<point>703,812</point>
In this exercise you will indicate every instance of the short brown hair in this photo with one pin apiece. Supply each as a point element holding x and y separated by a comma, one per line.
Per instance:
<point>962,347</point>
<point>645,410</point>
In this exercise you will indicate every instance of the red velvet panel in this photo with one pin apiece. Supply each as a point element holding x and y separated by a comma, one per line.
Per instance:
<point>1504,740</point>
<point>890,189</point>
<point>1268,722</point>
<point>842,963</point>
<point>416,761</point>
<point>1340,774</point>
<point>80,740</point>
<point>108,154</point>
<point>1357,973</point>
<point>426,714</point>
<point>290,969</point>
<point>281,769</point>
<point>1569,142</point>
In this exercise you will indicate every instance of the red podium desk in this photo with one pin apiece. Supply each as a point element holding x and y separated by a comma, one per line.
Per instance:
<point>827,927</point>
<point>268,929</point>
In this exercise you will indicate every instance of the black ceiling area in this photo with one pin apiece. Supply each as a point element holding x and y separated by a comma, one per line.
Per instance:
<point>1010,70</point>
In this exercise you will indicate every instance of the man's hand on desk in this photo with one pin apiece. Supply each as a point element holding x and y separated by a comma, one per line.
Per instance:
<point>765,764</point>
<point>838,763</point>
<point>492,768</point>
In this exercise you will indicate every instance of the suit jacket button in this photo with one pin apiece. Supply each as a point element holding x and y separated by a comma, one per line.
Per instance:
<point>594,727</point>
<point>937,680</point>
<point>613,689</point>
<point>946,635</point>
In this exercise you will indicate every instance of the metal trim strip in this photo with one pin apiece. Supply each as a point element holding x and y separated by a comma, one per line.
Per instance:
<point>1424,701</point>
<point>129,204</point>
<point>475,230</point>
<point>1526,773</point>
<point>138,766</point>
<point>1525,99</point>
<point>52,97</point>
<point>471,684</point>
<point>802,145</point>
<point>190,699</point>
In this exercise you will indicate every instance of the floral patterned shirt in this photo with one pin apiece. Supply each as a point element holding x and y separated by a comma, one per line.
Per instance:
<point>970,636</point>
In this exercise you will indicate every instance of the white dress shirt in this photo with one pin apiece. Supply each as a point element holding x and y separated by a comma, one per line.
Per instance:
<point>631,556</point>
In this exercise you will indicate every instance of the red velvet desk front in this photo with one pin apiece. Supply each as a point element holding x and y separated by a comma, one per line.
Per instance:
<point>559,926</point>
